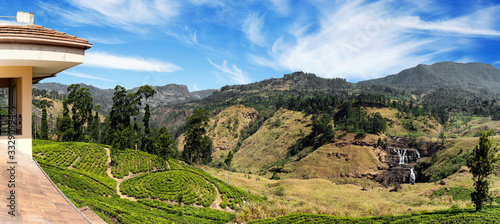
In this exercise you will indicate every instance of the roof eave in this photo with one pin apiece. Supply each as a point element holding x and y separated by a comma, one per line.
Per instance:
<point>44,41</point>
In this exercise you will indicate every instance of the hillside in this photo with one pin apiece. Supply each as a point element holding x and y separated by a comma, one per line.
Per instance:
<point>261,95</point>
<point>469,76</point>
<point>168,94</point>
<point>137,187</point>
<point>330,143</point>
<point>272,141</point>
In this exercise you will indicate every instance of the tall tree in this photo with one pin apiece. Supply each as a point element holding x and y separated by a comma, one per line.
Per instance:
<point>44,132</point>
<point>481,164</point>
<point>145,92</point>
<point>163,144</point>
<point>94,128</point>
<point>81,99</point>
<point>227,161</point>
<point>120,111</point>
<point>124,107</point>
<point>65,130</point>
<point>198,146</point>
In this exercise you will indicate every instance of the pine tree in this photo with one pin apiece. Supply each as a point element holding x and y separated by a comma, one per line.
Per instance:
<point>44,132</point>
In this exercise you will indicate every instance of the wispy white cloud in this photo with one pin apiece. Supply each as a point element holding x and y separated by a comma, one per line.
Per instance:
<point>104,40</point>
<point>280,6</point>
<point>463,25</point>
<point>185,35</point>
<point>81,75</point>
<point>361,39</point>
<point>207,2</point>
<point>233,73</point>
<point>252,27</point>
<point>106,60</point>
<point>129,15</point>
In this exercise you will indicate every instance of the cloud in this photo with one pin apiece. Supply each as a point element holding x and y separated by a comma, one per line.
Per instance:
<point>104,40</point>
<point>361,39</point>
<point>184,35</point>
<point>233,73</point>
<point>129,15</point>
<point>462,25</point>
<point>81,75</point>
<point>280,6</point>
<point>105,60</point>
<point>252,28</point>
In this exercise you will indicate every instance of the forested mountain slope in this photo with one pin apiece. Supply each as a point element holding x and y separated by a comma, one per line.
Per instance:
<point>470,76</point>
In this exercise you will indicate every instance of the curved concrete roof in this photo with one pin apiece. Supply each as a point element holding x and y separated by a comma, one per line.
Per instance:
<point>47,51</point>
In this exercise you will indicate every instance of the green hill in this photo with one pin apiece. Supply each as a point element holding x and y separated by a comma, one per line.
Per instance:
<point>82,171</point>
<point>272,141</point>
<point>470,76</point>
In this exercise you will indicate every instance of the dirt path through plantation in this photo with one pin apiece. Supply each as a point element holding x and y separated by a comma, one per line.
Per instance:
<point>118,181</point>
<point>215,204</point>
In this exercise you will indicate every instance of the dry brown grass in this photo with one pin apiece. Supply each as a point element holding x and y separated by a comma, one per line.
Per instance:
<point>459,125</point>
<point>453,148</point>
<point>224,129</point>
<point>332,161</point>
<point>272,141</point>
<point>425,125</point>
<point>325,197</point>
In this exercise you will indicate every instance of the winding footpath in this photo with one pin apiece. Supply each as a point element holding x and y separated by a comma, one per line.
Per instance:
<point>215,204</point>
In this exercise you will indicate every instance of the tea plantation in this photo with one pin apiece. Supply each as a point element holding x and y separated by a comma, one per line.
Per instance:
<point>84,158</point>
<point>79,170</point>
<point>135,161</point>
<point>489,215</point>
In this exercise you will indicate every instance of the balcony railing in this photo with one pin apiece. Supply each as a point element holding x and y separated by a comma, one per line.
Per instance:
<point>10,124</point>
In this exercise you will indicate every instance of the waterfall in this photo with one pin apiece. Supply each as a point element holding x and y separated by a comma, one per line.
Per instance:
<point>418,155</point>
<point>401,155</point>
<point>412,176</point>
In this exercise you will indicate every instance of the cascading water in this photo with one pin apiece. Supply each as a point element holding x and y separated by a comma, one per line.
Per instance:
<point>418,155</point>
<point>401,155</point>
<point>412,176</point>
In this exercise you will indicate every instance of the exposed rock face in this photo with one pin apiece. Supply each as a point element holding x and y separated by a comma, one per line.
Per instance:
<point>400,158</point>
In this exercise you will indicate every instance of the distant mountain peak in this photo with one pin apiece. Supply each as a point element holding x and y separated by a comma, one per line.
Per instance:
<point>471,76</point>
<point>167,94</point>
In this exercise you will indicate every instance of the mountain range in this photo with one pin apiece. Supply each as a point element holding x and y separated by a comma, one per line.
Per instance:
<point>468,76</point>
<point>165,95</point>
<point>476,77</point>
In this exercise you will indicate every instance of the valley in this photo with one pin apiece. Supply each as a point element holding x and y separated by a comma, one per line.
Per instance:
<point>295,149</point>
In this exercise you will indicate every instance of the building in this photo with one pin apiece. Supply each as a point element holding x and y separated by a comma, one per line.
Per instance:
<point>28,54</point>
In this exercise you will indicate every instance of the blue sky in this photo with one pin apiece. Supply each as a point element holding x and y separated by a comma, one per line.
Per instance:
<point>206,44</point>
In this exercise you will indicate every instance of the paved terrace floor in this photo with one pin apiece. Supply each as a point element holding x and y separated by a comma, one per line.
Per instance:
<point>37,200</point>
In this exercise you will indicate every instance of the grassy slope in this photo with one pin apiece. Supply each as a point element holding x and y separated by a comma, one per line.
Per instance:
<point>321,196</point>
<point>468,126</point>
<point>272,141</point>
<point>339,159</point>
<point>80,176</point>
<point>224,129</point>
<point>424,125</point>
<point>454,148</point>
